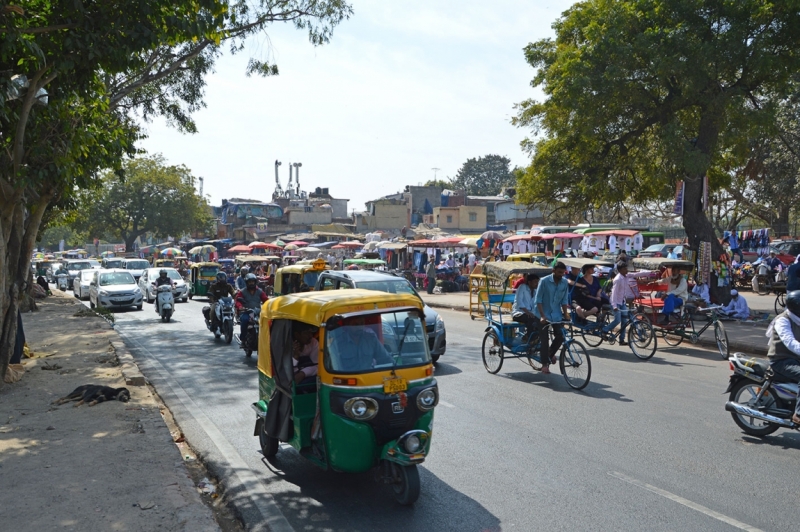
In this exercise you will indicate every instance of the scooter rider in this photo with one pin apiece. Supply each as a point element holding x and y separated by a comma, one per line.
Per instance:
<point>217,291</point>
<point>251,297</point>
<point>784,343</point>
<point>162,279</point>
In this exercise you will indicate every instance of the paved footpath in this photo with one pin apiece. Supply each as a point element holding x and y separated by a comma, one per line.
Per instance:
<point>747,337</point>
<point>112,466</point>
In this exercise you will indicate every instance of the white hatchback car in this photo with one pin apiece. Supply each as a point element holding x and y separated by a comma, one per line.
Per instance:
<point>114,289</point>
<point>147,281</point>
<point>80,286</point>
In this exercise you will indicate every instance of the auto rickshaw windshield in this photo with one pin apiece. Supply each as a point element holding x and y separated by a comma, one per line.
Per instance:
<point>365,343</point>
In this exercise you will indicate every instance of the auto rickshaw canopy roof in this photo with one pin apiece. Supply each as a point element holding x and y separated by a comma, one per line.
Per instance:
<point>315,308</point>
<point>655,263</point>
<point>501,271</point>
<point>302,267</point>
<point>203,264</point>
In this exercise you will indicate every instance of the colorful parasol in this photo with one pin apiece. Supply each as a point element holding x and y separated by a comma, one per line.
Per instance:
<point>241,248</point>
<point>171,252</point>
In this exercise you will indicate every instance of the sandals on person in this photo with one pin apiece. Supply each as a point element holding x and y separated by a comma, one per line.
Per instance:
<point>796,419</point>
<point>546,370</point>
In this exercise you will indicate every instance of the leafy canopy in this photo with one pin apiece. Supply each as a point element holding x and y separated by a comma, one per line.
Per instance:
<point>642,93</point>
<point>153,198</point>
<point>484,176</point>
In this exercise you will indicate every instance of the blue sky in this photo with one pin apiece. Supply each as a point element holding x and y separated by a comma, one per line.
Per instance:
<point>402,88</point>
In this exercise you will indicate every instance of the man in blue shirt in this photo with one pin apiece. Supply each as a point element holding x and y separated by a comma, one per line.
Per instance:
<point>551,305</point>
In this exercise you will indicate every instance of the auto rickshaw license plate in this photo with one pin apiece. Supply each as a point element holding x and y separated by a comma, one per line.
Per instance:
<point>394,385</point>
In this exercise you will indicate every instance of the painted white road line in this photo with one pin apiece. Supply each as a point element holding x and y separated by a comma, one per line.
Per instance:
<point>445,403</point>
<point>260,497</point>
<point>685,502</point>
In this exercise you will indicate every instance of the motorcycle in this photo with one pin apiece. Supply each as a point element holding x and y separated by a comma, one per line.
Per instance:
<point>165,302</point>
<point>250,341</point>
<point>224,321</point>
<point>760,400</point>
<point>62,281</point>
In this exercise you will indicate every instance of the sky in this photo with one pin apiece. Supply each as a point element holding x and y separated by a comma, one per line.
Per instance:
<point>402,88</point>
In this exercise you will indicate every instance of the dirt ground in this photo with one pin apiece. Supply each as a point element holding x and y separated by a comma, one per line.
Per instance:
<point>113,466</point>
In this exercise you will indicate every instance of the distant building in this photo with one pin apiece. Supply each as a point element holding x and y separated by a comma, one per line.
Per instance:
<point>463,218</point>
<point>240,218</point>
<point>516,217</point>
<point>490,202</point>
<point>385,214</point>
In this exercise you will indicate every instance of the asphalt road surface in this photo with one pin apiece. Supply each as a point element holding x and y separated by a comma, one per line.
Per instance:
<point>646,445</point>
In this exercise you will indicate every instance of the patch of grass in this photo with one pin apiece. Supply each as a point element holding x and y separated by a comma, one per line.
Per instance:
<point>97,311</point>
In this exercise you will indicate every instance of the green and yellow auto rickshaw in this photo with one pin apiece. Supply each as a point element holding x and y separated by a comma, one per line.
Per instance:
<point>202,276</point>
<point>298,277</point>
<point>370,404</point>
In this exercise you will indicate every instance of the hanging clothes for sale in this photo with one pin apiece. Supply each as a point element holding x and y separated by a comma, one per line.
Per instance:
<point>704,263</point>
<point>612,244</point>
<point>628,244</point>
<point>557,244</point>
<point>638,241</point>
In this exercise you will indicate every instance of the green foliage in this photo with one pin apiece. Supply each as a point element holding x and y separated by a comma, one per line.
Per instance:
<point>443,183</point>
<point>642,93</point>
<point>152,198</point>
<point>50,238</point>
<point>485,176</point>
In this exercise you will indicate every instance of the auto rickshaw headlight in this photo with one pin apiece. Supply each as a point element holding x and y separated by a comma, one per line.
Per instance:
<point>361,408</point>
<point>427,399</point>
<point>412,444</point>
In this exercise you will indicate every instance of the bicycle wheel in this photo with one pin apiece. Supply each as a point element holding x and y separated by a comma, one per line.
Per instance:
<point>641,337</point>
<point>763,287</point>
<point>673,337</point>
<point>780,303</point>
<point>492,351</point>
<point>722,340</point>
<point>534,351</point>
<point>592,338</point>
<point>575,365</point>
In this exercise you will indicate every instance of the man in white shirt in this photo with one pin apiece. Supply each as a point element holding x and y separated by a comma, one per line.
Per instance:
<point>784,343</point>
<point>622,294</point>
<point>471,261</point>
<point>737,307</point>
<point>700,293</point>
<point>522,309</point>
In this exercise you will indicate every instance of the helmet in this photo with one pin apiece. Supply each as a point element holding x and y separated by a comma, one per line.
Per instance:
<point>221,276</point>
<point>162,273</point>
<point>251,280</point>
<point>793,302</point>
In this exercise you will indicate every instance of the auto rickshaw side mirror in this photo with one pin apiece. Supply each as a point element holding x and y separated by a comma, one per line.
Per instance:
<point>334,322</point>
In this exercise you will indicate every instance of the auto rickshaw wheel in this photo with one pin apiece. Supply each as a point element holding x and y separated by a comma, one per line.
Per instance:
<point>191,295</point>
<point>269,445</point>
<point>406,483</point>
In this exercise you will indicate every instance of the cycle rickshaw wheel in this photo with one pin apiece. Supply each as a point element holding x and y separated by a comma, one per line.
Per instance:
<point>722,340</point>
<point>641,337</point>
<point>575,365</point>
<point>492,352</point>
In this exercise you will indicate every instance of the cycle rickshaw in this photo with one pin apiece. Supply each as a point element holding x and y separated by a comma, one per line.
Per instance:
<point>503,336</point>
<point>674,332</point>
<point>641,336</point>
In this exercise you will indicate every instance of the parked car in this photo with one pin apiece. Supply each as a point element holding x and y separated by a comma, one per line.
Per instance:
<point>387,282</point>
<point>135,266</point>
<point>783,256</point>
<point>148,279</point>
<point>789,247</point>
<point>114,289</point>
<point>656,250</point>
<point>75,267</point>
<point>80,286</point>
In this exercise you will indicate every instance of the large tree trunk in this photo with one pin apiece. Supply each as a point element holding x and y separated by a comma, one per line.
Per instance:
<point>695,221</point>
<point>780,226</point>
<point>19,236</point>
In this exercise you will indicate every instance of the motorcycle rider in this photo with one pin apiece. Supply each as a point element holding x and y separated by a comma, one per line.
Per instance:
<point>163,279</point>
<point>217,291</point>
<point>784,343</point>
<point>251,297</point>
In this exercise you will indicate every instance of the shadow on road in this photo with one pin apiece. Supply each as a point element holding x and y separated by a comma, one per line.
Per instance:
<point>555,381</point>
<point>783,439</point>
<point>442,370</point>
<point>316,500</point>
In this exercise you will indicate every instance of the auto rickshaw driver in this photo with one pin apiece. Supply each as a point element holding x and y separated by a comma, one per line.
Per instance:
<point>356,347</point>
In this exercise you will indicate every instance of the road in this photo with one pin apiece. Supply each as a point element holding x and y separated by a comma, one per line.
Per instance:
<point>646,446</point>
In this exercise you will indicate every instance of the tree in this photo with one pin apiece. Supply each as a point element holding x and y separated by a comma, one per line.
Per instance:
<point>441,183</point>
<point>484,176</point>
<point>75,75</point>
<point>643,93</point>
<point>152,198</point>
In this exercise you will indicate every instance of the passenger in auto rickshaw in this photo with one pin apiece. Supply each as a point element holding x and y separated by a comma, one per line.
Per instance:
<point>305,352</point>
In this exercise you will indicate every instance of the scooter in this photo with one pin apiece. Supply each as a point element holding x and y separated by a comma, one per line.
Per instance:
<point>761,401</point>
<point>62,281</point>
<point>165,302</point>
<point>250,343</point>
<point>224,315</point>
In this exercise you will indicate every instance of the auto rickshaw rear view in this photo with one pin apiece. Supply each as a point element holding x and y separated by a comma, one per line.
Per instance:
<point>357,392</point>
<point>203,275</point>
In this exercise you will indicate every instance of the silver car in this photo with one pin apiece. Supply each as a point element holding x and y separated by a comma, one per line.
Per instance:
<point>80,286</point>
<point>147,282</point>
<point>114,289</point>
<point>135,266</point>
<point>74,268</point>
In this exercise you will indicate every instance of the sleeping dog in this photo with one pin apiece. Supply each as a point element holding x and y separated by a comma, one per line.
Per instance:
<point>93,394</point>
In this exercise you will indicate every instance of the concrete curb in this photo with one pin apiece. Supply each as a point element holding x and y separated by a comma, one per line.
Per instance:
<point>448,307</point>
<point>130,371</point>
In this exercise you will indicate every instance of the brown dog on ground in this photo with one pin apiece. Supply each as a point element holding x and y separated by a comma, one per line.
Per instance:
<point>92,394</point>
